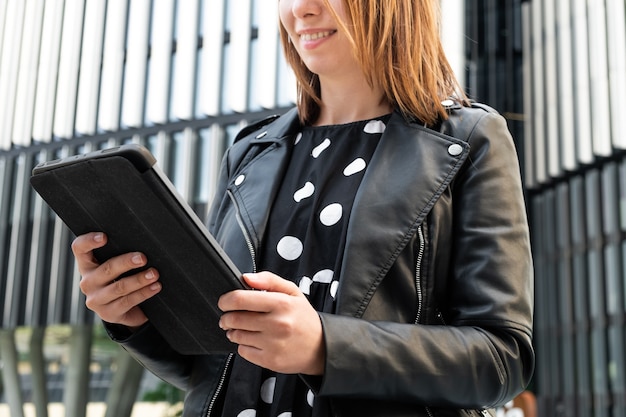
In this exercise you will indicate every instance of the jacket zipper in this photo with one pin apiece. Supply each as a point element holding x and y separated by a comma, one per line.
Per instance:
<point>418,273</point>
<point>418,285</point>
<point>220,385</point>
<point>244,230</point>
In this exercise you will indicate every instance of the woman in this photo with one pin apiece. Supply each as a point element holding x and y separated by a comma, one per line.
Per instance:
<point>388,223</point>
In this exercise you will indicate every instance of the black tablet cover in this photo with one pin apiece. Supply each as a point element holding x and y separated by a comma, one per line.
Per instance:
<point>122,192</point>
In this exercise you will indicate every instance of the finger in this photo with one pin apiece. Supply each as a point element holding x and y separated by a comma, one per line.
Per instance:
<point>83,247</point>
<point>113,268</point>
<point>267,281</point>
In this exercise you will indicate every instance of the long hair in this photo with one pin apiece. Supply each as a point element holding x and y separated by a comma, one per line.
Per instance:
<point>397,43</point>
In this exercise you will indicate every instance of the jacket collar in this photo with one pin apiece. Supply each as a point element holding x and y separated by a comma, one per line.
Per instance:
<point>411,168</point>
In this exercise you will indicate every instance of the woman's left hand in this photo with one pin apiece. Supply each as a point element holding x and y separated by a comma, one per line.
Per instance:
<point>276,327</point>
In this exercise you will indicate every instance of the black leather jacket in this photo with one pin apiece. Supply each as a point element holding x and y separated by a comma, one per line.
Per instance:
<point>434,309</point>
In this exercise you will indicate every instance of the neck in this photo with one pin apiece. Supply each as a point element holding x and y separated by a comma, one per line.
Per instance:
<point>349,100</point>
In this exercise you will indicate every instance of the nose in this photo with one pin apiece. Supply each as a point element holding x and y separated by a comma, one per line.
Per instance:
<point>305,8</point>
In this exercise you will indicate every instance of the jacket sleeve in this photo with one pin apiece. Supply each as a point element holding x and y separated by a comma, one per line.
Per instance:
<point>481,355</point>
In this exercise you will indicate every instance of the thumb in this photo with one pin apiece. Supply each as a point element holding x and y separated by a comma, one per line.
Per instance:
<point>267,281</point>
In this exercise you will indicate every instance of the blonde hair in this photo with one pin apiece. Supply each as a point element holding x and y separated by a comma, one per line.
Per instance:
<point>397,44</point>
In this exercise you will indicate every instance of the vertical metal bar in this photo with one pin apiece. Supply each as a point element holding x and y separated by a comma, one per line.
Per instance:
<point>9,68</point>
<point>582,93</point>
<point>186,55</point>
<point>27,77</point>
<point>567,364</point>
<point>453,35</point>
<point>113,66</point>
<point>599,78</point>
<point>565,79</point>
<point>10,374</point>
<point>76,391</point>
<point>16,285</point>
<point>125,385</point>
<point>134,97</point>
<point>266,46</point>
<point>160,61</point>
<point>58,268</point>
<point>539,131</point>
<point>65,104</point>
<point>616,31</point>
<point>596,292</point>
<point>37,284</point>
<point>90,67</point>
<point>578,230</point>
<point>38,371</point>
<point>6,200</point>
<point>550,93</point>
<point>212,56</point>
<point>240,13</point>
<point>528,167</point>
<point>48,70</point>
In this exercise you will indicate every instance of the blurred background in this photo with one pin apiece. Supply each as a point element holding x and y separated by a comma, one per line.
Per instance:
<point>183,76</point>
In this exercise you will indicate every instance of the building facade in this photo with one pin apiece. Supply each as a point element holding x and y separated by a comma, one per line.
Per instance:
<point>183,76</point>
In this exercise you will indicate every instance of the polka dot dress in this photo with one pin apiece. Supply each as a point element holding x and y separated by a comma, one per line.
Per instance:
<point>304,242</point>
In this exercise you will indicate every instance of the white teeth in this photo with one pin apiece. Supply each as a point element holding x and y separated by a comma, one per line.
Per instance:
<point>314,36</point>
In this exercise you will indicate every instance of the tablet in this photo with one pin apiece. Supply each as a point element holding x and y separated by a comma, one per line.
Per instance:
<point>122,192</point>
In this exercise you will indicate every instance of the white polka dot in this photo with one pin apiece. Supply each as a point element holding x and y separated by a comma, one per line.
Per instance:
<point>317,151</point>
<point>310,397</point>
<point>374,126</point>
<point>355,166</point>
<point>306,191</point>
<point>285,414</point>
<point>298,137</point>
<point>247,413</point>
<point>333,288</point>
<point>305,285</point>
<point>267,390</point>
<point>289,248</point>
<point>240,179</point>
<point>325,276</point>
<point>331,214</point>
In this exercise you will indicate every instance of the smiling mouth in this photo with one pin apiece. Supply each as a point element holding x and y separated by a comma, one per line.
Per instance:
<point>316,36</point>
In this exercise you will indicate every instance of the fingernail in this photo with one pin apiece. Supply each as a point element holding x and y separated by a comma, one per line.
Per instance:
<point>98,237</point>
<point>137,259</point>
<point>155,286</point>
<point>150,274</point>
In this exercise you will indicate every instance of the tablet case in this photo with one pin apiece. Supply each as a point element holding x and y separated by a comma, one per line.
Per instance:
<point>122,192</point>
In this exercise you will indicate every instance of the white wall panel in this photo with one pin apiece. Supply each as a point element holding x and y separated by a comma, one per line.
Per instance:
<point>538,93</point>
<point>186,57</point>
<point>90,67</point>
<point>65,104</point>
<point>48,70</point>
<point>265,71</point>
<point>240,13</point>
<point>565,103</point>
<point>551,85</point>
<point>3,12</point>
<point>529,143</point>
<point>599,77</point>
<point>113,66</point>
<point>453,35</point>
<point>27,78</point>
<point>9,67</point>
<point>133,105</point>
<point>160,61</point>
<point>616,28</point>
<point>582,93</point>
<point>210,82</point>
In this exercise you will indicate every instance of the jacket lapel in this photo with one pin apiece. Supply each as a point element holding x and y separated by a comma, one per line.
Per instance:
<point>410,169</point>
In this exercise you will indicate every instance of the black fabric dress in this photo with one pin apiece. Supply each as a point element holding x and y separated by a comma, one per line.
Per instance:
<point>304,243</point>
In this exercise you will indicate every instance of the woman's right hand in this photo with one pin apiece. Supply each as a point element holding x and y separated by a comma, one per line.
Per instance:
<point>114,299</point>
